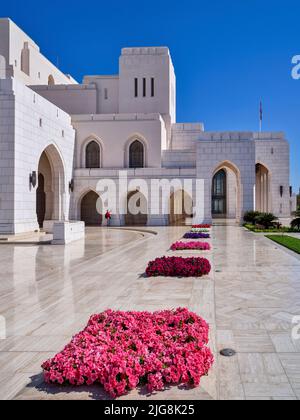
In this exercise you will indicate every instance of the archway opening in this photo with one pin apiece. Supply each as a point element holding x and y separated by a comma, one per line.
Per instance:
<point>51,187</point>
<point>91,214</point>
<point>219,194</point>
<point>181,208</point>
<point>262,189</point>
<point>137,209</point>
<point>136,155</point>
<point>226,192</point>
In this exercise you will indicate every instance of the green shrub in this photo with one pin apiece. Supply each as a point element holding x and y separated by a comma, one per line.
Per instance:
<point>295,224</point>
<point>266,220</point>
<point>297,213</point>
<point>250,216</point>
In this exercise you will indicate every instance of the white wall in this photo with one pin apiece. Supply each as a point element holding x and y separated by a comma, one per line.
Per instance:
<point>106,104</point>
<point>238,149</point>
<point>272,151</point>
<point>27,140</point>
<point>147,63</point>
<point>185,136</point>
<point>12,42</point>
<point>73,99</point>
<point>114,134</point>
<point>87,181</point>
<point>7,149</point>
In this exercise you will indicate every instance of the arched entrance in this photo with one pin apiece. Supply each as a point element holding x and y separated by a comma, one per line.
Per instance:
<point>262,189</point>
<point>181,208</point>
<point>226,192</point>
<point>90,210</point>
<point>137,209</point>
<point>51,187</point>
<point>219,194</point>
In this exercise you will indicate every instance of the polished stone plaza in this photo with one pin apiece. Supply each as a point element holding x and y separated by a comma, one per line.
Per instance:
<point>47,294</point>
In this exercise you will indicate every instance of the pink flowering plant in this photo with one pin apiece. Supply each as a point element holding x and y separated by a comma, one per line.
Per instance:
<point>124,350</point>
<point>204,226</point>
<point>178,267</point>
<point>181,246</point>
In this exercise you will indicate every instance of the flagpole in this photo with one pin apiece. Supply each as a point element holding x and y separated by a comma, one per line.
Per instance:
<point>260,116</point>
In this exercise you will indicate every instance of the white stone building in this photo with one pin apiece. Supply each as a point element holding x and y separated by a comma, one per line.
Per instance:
<point>58,138</point>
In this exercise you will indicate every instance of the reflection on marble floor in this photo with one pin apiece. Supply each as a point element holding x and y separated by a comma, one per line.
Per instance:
<point>47,294</point>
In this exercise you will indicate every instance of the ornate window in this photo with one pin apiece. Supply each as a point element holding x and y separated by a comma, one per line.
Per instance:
<point>219,193</point>
<point>92,155</point>
<point>136,155</point>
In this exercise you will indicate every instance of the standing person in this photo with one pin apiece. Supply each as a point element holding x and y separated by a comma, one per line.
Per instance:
<point>108,217</point>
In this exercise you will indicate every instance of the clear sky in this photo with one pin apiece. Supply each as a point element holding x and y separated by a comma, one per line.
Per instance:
<point>227,54</point>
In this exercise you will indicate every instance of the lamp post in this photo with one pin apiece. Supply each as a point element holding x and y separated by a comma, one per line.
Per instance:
<point>33,179</point>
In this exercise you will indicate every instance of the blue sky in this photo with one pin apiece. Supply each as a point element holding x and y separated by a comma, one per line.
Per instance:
<point>227,54</point>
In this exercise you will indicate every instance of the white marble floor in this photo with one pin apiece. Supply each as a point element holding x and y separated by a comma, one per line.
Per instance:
<point>47,294</point>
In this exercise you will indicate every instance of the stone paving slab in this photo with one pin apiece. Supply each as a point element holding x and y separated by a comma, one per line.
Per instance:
<point>249,299</point>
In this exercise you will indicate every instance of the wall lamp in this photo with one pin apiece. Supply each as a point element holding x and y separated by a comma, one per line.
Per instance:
<point>33,179</point>
<point>71,186</point>
<point>281,190</point>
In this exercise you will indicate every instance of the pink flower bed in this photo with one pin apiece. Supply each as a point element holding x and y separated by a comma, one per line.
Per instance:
<point>201,226</point>
<point>178,267</point>
<point>201,246</point>
<point>122,350</point>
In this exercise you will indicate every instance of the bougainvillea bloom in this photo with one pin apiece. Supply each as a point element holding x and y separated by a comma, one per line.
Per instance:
<point>123,350</point>
<point>191,235</point>
<point>178,267</point>
<point>201,246</point>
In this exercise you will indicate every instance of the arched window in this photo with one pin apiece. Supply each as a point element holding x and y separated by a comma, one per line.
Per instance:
<point>92,155</point>
<point>25,59</point>
<point>219,206</point>
<point>51,81</point>
<point>136,155</point>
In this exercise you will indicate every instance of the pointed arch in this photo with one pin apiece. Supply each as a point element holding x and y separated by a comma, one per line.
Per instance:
<point>90,213</point>
<point>50,198</point>
<point>136,199</point>
<point>136,152</point>
<point>92,155</point>
<point>97,144</point>
<point>230,199</point>
<point>263,198</point>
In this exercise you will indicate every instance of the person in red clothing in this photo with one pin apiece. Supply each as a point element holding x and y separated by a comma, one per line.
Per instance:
<point>108,217</point>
